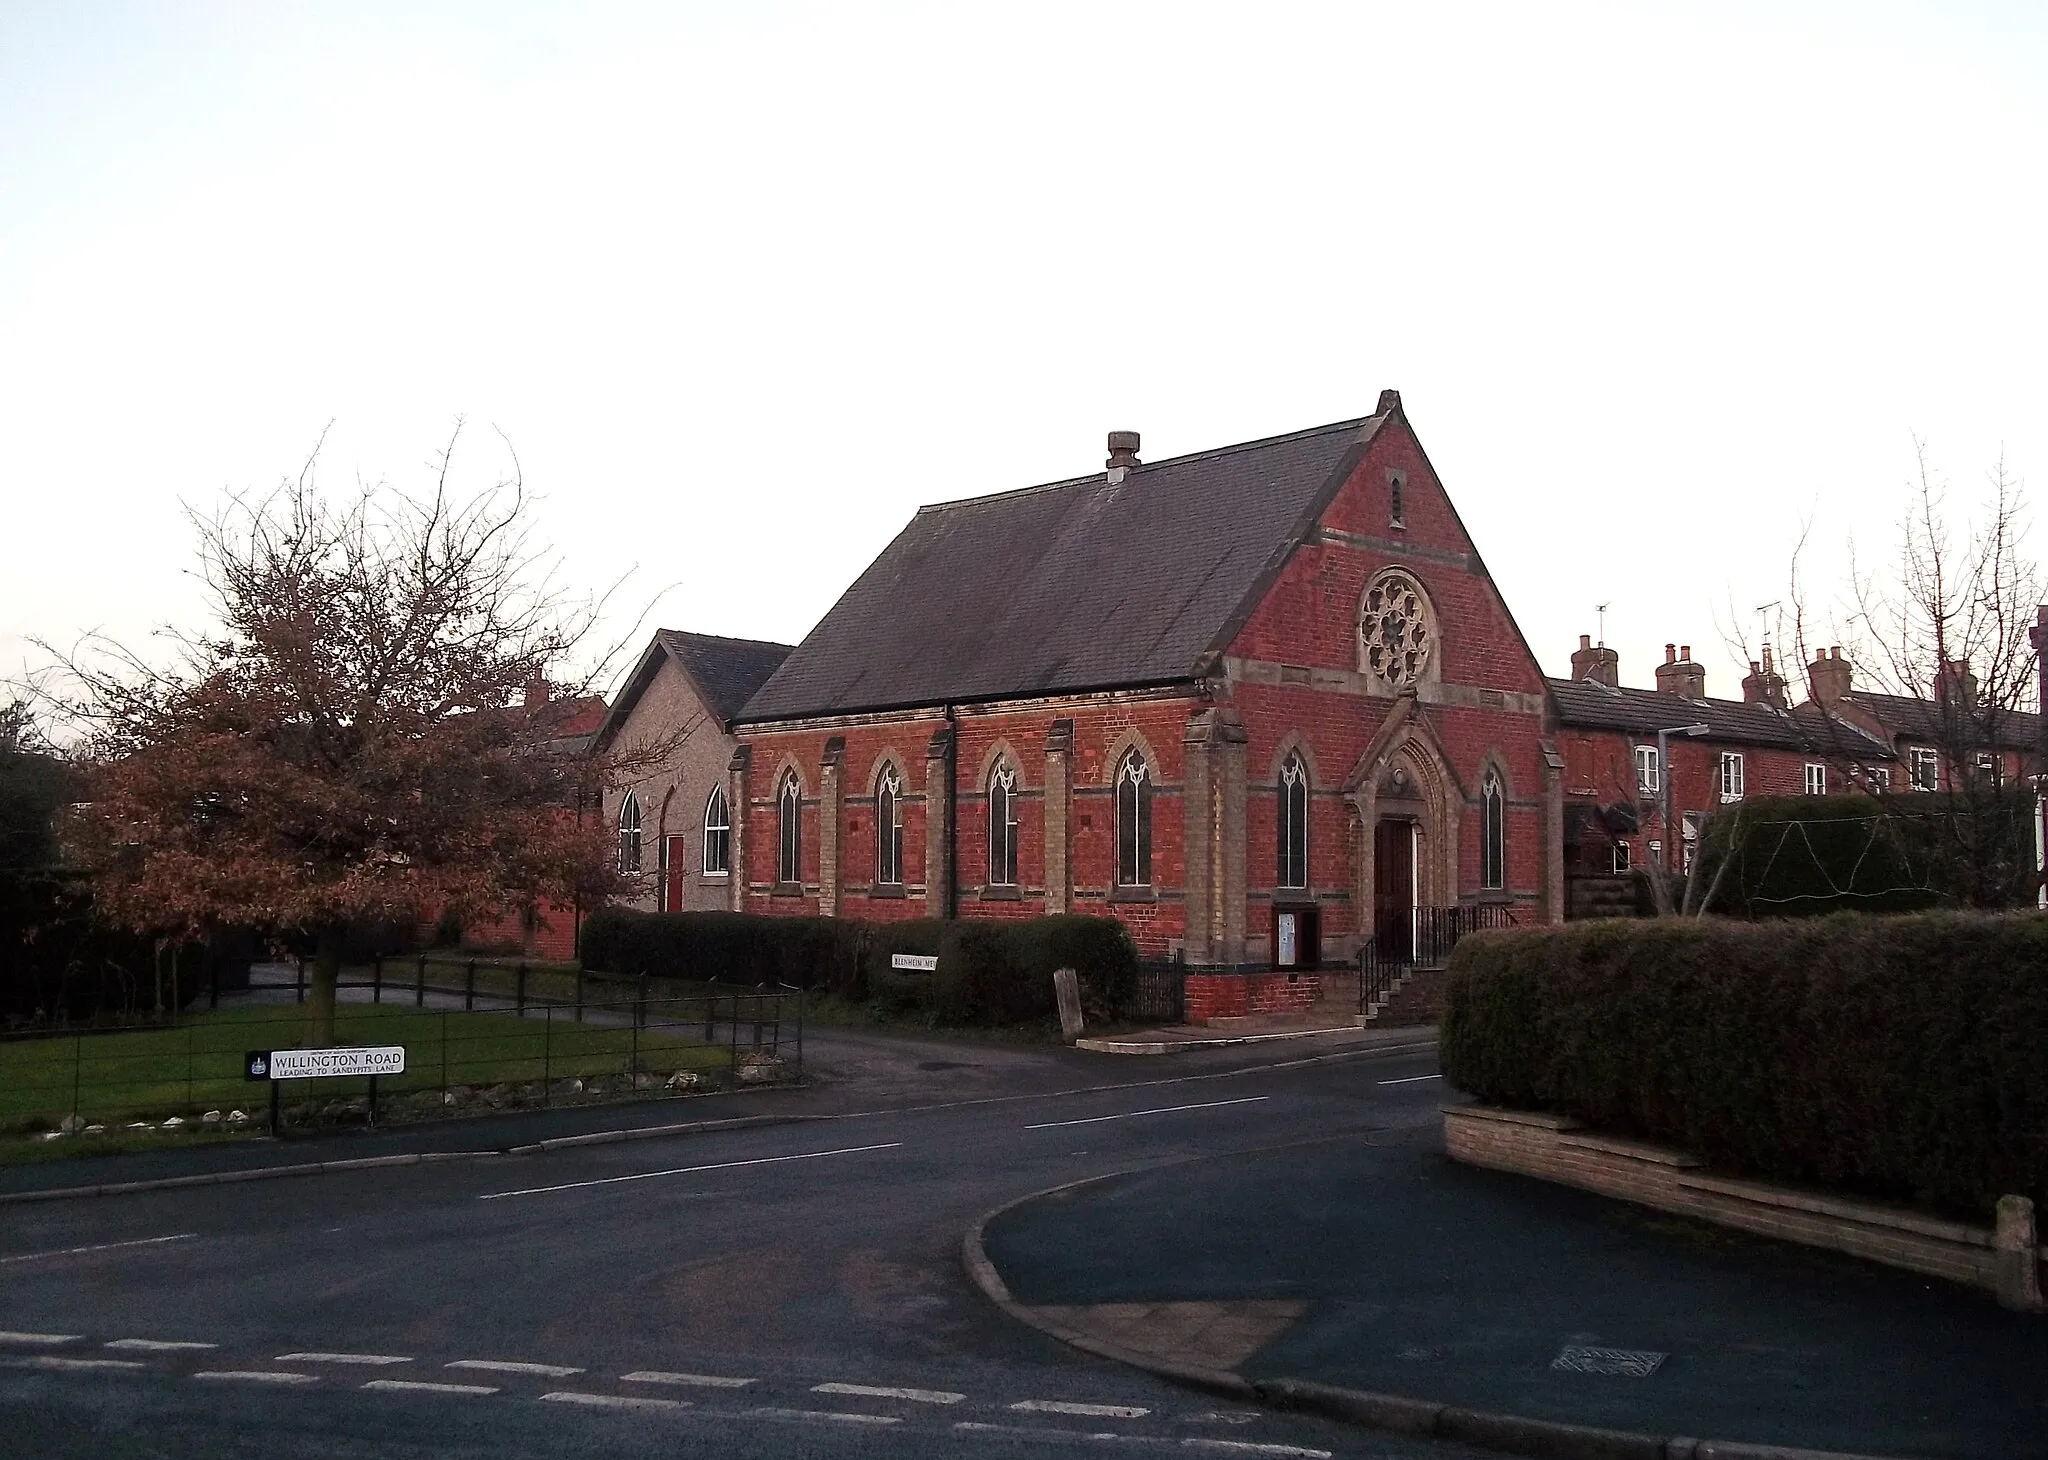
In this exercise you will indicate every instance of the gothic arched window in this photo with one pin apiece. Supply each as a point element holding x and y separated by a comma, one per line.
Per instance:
<point>1002,827</point>
<point>1493,833</point>
<point>629,833</point>
<point>789,811</point>
<point>1133,822</point>
<point>889,828</point>
<point>717,834</point>
<point>1293,824</point>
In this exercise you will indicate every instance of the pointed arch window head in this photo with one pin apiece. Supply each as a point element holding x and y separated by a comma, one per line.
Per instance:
<point>789,812</point>
<point>1133,822</point>
<point>889,828</point>
<point>629,833</point>
<point>1493,833</point>
<point>1002,827</point>
<point>717,834</point>
<point>1293,823</point>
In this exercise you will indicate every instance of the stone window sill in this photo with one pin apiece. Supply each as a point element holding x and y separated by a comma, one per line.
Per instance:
<point>887,891</point>
<point>786,889</point>
<point>1133,894</point>
<point>1002,894</point>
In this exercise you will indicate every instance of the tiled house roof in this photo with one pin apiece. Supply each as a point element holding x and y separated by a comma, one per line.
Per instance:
<point>1918,719</point>
<point>1590,705</point>
<point>725,672</point>
<point>1071,586</point>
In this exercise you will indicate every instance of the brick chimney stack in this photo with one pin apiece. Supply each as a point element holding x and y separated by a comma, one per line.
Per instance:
<point>1830,676</point>
<point>1678,674</point>
<point>1764,685</point>
<point>1601,665</point>
<point>1123,455</point>
<point>1956,685</point>
<point>536,692</point>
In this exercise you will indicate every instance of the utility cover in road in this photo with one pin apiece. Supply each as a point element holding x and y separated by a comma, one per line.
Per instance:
<point>320,1064</point>
<point>915,962</point>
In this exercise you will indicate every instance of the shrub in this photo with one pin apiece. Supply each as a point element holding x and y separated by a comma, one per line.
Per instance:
<point>989,972</point>
<point>1902,1057</point>
<point>726,947</point>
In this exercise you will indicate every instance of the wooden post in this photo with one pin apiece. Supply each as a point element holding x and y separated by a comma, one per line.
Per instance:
<point>1066,985</point>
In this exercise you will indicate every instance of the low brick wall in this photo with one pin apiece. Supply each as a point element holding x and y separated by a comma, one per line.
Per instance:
<point>1232,995</point>
<point>1557,1148</point>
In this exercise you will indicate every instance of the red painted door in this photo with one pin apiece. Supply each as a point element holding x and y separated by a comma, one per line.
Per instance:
<point>672,874</point>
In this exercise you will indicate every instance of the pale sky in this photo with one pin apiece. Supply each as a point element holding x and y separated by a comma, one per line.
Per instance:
<point>745,283</point>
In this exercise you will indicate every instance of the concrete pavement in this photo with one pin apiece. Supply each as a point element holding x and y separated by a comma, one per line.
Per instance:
<point>1370,1261</point>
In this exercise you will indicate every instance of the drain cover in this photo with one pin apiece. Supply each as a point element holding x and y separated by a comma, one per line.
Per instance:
<point>1629,1363</point>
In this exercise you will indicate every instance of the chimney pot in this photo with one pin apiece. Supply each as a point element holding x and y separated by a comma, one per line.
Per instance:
<point>1585,641</point>
<point>1123,450</point>
<point>1671,653</point>
<point>1685,653</point>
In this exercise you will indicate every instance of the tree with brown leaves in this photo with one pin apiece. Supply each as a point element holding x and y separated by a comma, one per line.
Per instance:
<point>350,737</point>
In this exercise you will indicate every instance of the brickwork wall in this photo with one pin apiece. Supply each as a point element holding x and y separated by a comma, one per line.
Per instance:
<point>1554,1148</point>
<point>1103,728</point>
<point>672,794</point>
<point>1224,996</point>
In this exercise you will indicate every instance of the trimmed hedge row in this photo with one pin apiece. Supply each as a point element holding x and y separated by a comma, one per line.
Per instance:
<point>990,972</point>
<point>1905,1058</point>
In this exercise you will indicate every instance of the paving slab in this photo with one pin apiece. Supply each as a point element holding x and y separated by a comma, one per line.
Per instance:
<point>1413,1275</point>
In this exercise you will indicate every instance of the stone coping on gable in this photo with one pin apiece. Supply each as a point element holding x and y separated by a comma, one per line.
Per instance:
<point>1557,1148</point>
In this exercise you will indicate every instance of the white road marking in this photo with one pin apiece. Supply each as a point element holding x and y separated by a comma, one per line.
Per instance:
<point>876,1391</point>
<point>159,1345</point>
<point>257,1376</point>
<point>1086,1411</point>
<point>1160,1110</point>
<point>688,1170</point>
<point>99,1247</point>
<point>40,1338</point>
<point>50,1361</point>
<point>838,1415</point>
<point>342,1359</point>
<point>512,1366</point>
<point>1412,1080</point>
<point>696,1381</point>
<point>1250,1447</point>
<point>420,1386</point>
<point>615,1401</point>
<point>1041,1432</point>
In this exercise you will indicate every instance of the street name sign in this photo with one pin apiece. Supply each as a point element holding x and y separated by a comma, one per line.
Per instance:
<point>321,1064</point>
<point>915,962</point>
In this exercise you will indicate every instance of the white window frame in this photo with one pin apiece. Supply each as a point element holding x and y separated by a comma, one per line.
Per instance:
<point>1622,859</point>
<point>1003,827</point>
<point>889,828</point>
<point>629,834</point>
<point>1923,768</point>
<point>1816,778</point>
<point>1293,827</point>
<point>717,834</point>
<point>1731,775</point>
<point>1649,775</point>
<point>1878,778</point>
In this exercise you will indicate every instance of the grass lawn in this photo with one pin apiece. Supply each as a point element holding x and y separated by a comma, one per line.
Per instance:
<point>197,1066</point>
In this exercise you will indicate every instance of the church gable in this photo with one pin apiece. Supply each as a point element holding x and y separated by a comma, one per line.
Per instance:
<point>1388,587</point>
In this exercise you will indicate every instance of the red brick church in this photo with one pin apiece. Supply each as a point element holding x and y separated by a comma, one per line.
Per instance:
<point>1256,702</point>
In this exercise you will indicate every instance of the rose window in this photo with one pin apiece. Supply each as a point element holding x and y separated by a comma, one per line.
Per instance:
<point>1393,631</point>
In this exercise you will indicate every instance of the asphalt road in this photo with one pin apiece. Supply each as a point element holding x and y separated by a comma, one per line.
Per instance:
<point>788,1290</point>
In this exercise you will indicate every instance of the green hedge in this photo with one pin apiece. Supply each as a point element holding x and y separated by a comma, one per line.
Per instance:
<point>990,972</point>
<point>1905,1058</point>
<point>725,947</point>
<point>1805,855</point>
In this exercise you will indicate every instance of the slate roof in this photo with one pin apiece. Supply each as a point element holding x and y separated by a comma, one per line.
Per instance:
<point>725,671</point>
<point>1070,586</point>
<point>1590,705</point>
<point>1919,719</point>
